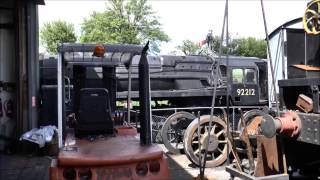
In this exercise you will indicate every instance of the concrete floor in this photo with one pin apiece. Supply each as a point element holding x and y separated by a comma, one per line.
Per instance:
<point>16,167</point>
<point>181,168</point>
<point>27,167</point>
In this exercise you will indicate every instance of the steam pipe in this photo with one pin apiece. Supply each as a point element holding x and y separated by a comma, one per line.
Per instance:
<point>129,93</point>
<point>144,98</point>
<point>60,98</point>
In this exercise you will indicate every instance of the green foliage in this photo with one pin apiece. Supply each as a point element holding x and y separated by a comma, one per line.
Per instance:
<point>249,47</point>
<point>188,47</point>
<point>216,45</point>
<point>124,22</point>
<point>53,33</point>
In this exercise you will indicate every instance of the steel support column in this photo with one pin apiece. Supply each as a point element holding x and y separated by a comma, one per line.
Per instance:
<point>32,63</point>
<point>60,98</point>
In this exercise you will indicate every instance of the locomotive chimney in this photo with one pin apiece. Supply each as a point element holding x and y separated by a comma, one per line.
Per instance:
<point>144,98</point>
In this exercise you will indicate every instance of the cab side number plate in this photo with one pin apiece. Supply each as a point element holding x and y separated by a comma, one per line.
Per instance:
<point>246,92</point>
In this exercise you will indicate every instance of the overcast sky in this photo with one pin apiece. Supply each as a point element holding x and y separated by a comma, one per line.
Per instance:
<point>189,19</point>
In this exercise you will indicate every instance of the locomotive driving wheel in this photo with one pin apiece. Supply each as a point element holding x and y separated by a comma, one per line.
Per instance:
<point>311,18</point>
<point>173,130</point>
<point>194,145</point>
<point>252,120</point>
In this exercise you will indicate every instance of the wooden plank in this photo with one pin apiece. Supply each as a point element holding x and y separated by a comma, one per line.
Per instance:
<point>306,67</point>
<point>108,151</point>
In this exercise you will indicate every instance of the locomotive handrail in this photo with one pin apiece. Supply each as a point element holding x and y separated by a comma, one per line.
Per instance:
<point>93,63</point>
<point>207,107</point>
<point>50,86</point>
<point>76,47</point>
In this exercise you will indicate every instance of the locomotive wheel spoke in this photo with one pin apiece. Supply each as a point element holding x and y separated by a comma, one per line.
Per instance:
<point>212,155</point>
<point>177,145</point>
<point>195,142</point>
<point>173,130</point>
<point>197,151</point>
<point>219,133</point>
<point>206,129</point>
<point>173,140</point>
<point>213,128</point>
<point>217,141</point>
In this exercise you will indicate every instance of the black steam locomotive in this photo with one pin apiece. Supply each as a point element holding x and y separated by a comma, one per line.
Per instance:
<point>183,81</point>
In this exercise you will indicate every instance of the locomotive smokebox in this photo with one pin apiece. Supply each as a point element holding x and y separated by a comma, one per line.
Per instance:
<point>144,98</point>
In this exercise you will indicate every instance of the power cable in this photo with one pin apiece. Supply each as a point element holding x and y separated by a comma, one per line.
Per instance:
<point>215,69</point>
<point>215,72</point>
<point>270,58</point>
<point>273,83</point>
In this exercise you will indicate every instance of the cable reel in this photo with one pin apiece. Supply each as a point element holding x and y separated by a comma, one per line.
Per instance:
<point>311,18</point>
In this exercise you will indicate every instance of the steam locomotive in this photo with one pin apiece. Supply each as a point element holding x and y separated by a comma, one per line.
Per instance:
<point>183,81</point>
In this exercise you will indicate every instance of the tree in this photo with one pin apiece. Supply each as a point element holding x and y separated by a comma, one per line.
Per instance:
<point>216,41</point>
<point>53,33</point>
<point>188,47</point>
<point>124,22</point>
<point>250,47</point>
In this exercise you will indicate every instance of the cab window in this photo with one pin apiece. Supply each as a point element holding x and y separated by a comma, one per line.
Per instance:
<point>223,70</point>
<point>247,76</point>
<point>250,76</point>
<point>237,75</point>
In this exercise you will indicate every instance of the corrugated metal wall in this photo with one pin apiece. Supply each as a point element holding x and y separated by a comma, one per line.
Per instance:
<point>7,70</point>
<point>19,66</point>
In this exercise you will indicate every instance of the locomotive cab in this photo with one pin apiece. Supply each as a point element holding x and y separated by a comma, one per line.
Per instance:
<point>244,86</point>
<point>248,79</point>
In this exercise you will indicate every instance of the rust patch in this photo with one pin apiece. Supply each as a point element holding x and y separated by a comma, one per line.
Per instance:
<point>252,128</point>
<point>268,157</point>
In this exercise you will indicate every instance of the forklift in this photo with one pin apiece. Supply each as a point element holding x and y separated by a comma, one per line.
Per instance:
<point>91,144</point>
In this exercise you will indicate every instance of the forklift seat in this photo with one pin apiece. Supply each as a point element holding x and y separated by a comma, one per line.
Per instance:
<point>94,115</point>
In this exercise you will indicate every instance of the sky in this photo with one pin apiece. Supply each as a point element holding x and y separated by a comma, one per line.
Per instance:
<point>188,19</point>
